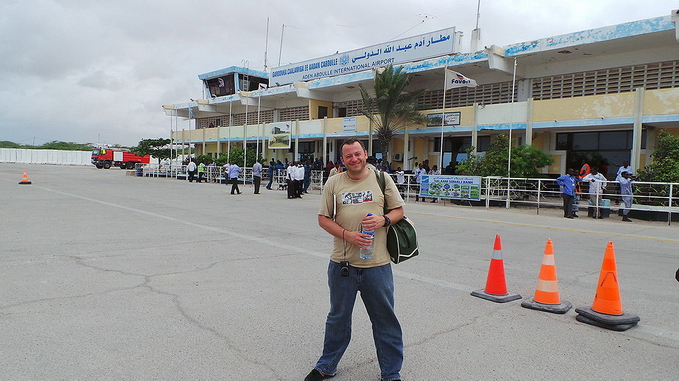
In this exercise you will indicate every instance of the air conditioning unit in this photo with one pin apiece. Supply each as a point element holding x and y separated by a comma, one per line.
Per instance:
<point>398,157</point>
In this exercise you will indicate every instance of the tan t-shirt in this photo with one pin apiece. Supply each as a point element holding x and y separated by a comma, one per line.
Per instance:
<point>354,199</point>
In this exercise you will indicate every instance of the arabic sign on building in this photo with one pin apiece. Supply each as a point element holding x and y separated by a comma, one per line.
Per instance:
<point>279,135</point>
<point>411,49</point>
<point>452,187</point>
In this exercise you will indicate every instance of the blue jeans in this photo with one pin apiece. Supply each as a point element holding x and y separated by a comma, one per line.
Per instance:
<point>377,291</point>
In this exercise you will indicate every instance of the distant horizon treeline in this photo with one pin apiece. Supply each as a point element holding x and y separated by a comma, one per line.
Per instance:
<point>55,144</point>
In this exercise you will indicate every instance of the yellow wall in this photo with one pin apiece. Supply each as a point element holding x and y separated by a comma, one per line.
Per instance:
<point>661,102</point>
<point>313,108</point>
<point>540,140</point>
<point>590,107</point>
<point>335,125</point>
<point>556,164</point>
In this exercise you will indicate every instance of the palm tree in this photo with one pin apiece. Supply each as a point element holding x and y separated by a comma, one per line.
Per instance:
<point>392,107</point>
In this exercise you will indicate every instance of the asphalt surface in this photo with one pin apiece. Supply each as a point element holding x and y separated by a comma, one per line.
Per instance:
<point>105,276</point>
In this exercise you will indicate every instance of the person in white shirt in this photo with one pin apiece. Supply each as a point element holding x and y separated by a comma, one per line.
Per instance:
<point>191,170</point>
<point>597,185</point>
<point>290,179</point>
<point>299,179</point>
<point>626,181</point>
<point>400,180</point>
<point>625,167</point>
<point>418,178</point>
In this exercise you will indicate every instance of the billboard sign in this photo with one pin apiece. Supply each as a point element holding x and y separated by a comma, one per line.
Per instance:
<point>451,187</point>
<point>279,135</point>
<point>417,48</point>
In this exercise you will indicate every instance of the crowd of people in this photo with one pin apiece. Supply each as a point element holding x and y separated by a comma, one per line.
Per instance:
<point>572,191</point>
<point>297,180</point>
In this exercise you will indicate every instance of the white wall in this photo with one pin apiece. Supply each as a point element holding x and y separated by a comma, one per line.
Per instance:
<point>44,156</point>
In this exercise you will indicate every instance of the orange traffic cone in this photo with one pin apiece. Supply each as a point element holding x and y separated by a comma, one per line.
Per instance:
<point>24,179</point>
<point>496,285</point>
<point>547,293</point>
<point>606,311</point>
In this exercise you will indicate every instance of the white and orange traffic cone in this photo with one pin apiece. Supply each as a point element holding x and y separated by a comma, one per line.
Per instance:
<point>547,296</point>
<point>24,179</point>
<point>606,311</point>
<point>496,284</point>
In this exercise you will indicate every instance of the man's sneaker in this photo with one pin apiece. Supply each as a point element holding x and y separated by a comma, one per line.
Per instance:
<point>626,219</point>
<point>315,375</point>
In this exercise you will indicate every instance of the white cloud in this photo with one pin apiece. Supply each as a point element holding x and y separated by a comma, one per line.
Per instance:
<point>83,71</point>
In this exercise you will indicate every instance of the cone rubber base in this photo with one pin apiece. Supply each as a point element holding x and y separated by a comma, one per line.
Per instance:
<point>560,308</point>
<point>613,322</point>
<point>24,182</point>
<point>616,327</point>
<point>495,298</point>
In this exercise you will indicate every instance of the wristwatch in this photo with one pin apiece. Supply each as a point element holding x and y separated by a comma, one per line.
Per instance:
<point>387,221</point>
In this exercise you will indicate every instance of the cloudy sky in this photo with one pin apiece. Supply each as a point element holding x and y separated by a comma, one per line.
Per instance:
<point>99,71</point>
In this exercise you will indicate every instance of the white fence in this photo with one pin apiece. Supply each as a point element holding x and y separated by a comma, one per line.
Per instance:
<point>517,192</point>
<point>45,156</point>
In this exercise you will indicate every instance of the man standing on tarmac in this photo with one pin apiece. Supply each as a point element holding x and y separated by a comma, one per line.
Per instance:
<point>257,175</point>
<point>290,179</point>
<point>299,179</point>
<point>191,170</point>
<point>201,172</point>
<point>597,185</point>
<point>625,181</point>
<point>568,183</point>
<point>234,171</point>
<point>347,199</point>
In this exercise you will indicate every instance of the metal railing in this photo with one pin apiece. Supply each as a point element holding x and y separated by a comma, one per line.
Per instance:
<point>542,193</point>
<point>217,175</point>
<point>539,193</point>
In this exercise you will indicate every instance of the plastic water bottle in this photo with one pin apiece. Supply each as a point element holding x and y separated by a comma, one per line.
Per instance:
<point>367,253</point>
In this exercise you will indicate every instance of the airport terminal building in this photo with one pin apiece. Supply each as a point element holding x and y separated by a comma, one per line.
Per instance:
<point>600,94</point>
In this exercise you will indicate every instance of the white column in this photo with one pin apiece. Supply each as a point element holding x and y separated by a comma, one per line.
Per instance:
<point>636,135</point>
<point>529,121</point>
<point>475,129</point>
<point>296,141</point>
<point>325,140</point>
<point>406,147</point>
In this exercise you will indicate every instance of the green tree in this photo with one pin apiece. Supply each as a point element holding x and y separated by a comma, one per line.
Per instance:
<point>665,165</point>
<point>158,148</point>
<point>67,146</point>
<point>391,107</point>
<point>8,144</point>
<point>236,156</point>
<point>205,159</point>
<point>526,160</point>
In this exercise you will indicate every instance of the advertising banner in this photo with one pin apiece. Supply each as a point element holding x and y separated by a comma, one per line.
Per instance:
<point>279,135</point>
<point>451,187</point>
<point>420,47</point>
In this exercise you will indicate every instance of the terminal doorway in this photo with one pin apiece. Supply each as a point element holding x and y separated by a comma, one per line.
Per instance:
<point>605,150</point>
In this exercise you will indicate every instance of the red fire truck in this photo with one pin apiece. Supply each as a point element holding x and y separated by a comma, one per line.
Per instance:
<point>106,157</point>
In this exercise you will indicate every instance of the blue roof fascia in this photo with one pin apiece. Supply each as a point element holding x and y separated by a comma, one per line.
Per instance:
<point>630,29</point>
<point>413,67</point>
<point>341,79</point>
<point>445,61</point>
<point>225,99</point>
<point>233,69</point>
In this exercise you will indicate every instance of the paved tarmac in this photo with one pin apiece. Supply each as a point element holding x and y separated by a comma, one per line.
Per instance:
<point>105,276</point>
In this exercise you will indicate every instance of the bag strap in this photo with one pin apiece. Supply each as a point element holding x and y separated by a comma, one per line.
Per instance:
<point>381,182</point>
